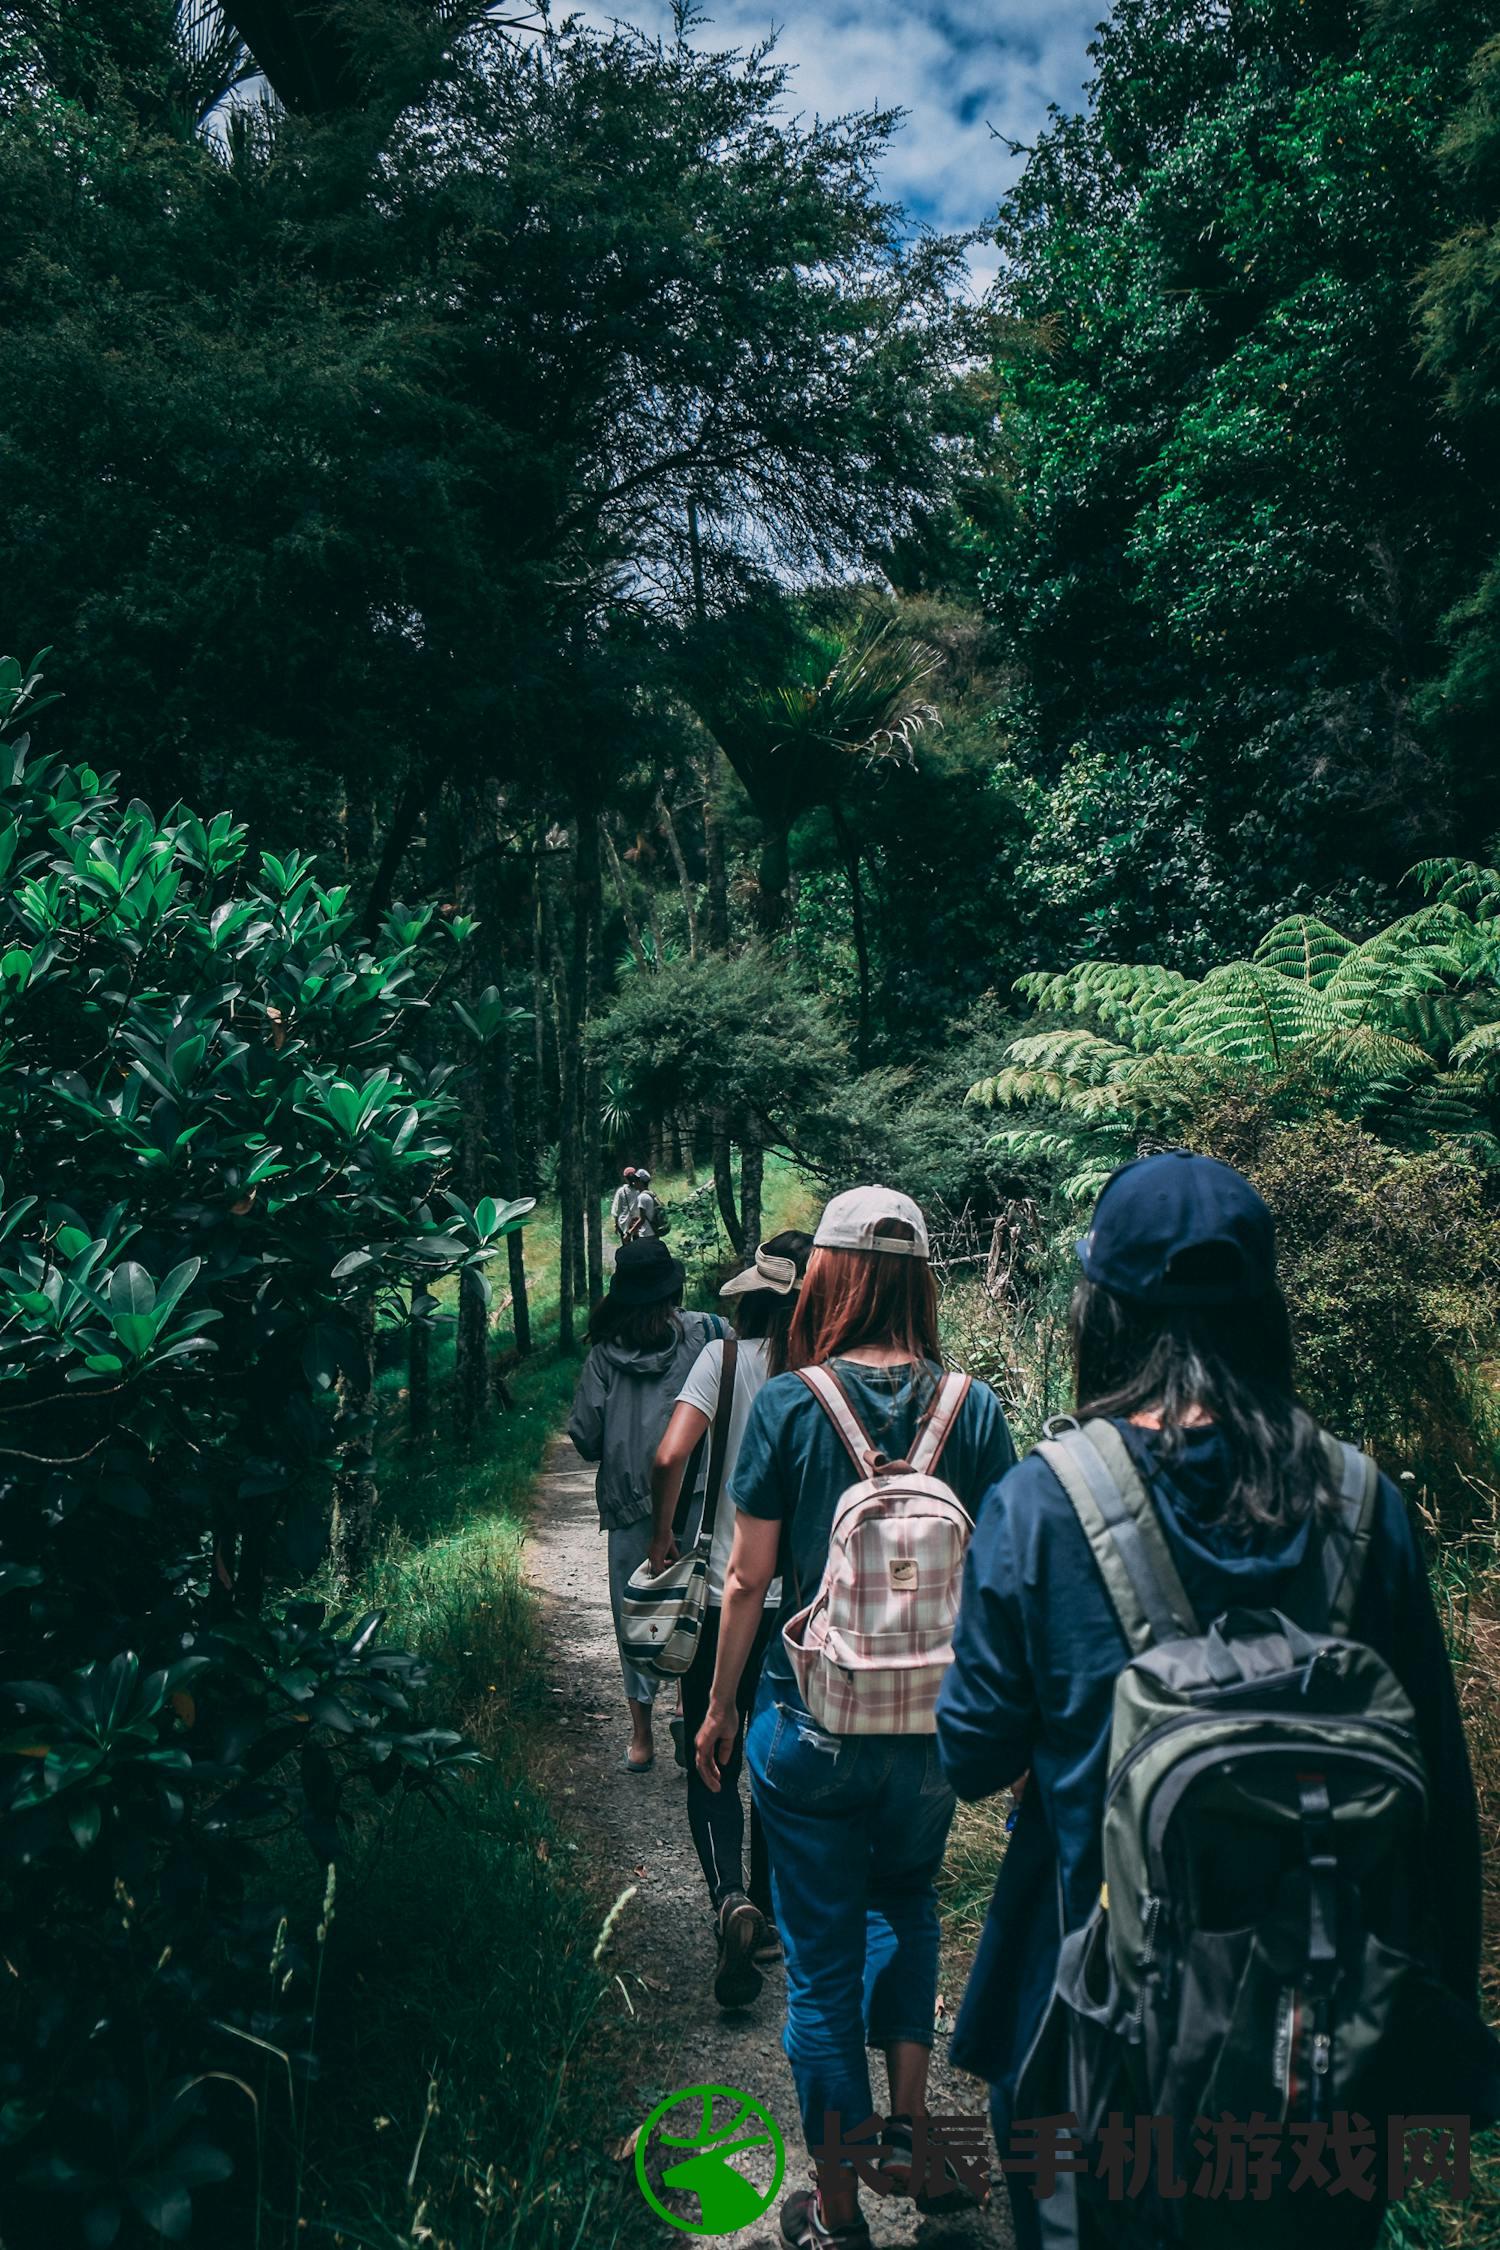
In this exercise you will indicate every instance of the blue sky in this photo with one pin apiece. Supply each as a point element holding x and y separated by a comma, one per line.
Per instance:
<point>957,67</point>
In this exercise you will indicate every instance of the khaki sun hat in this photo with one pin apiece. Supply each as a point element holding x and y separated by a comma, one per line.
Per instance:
<point>849,1222</point>
<point>768,1272</point>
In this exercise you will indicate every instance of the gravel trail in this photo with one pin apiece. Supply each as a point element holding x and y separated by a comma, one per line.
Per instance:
<point>634,1830</point>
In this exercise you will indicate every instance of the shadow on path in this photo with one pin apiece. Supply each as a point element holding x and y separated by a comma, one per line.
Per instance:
<point>634,1830</point>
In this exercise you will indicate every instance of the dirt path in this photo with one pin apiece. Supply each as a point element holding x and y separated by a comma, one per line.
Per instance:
<point>635,1831</point>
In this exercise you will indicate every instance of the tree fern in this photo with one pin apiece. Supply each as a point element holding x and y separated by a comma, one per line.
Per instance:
<point>1400,1029</point>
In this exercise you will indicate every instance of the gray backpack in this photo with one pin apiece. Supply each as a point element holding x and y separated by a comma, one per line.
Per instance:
<point>1259,1942</point>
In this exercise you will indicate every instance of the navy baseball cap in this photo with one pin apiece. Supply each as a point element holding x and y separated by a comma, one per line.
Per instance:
<point>1180,1229</point>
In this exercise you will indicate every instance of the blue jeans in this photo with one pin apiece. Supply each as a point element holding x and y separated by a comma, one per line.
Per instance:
<point>856,1826</point>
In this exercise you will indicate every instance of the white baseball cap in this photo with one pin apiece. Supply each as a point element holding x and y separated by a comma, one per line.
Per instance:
<point>849,1222</point>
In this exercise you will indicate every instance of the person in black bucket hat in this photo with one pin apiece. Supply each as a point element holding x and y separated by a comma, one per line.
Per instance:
<point>1194,1443</point>
<point>642,1346</point>
<point>645,1273</point>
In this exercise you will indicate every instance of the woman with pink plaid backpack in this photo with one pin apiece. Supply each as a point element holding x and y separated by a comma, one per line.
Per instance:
<point>856,1484</point>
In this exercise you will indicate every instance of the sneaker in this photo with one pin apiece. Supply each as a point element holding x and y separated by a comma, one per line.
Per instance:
<point>769,1954</point>
<point>679,1743</point>
<point>803,2229</point>
<point>944,2189</point>
<point>737,1981</point>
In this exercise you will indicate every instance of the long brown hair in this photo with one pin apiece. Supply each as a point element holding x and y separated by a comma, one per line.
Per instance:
<point>1235,1362</point>
<point>854,1297</point>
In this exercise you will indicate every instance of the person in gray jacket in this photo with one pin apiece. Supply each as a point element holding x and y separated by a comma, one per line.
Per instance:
<point>643,1345</point>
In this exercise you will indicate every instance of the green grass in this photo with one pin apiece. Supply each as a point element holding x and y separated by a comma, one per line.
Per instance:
<point>461,2098</point>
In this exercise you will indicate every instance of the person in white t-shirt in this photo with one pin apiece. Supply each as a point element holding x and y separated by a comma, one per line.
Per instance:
<point>765,1297</point>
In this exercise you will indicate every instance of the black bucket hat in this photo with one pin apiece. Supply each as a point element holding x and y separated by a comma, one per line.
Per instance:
<point>645,1273</point>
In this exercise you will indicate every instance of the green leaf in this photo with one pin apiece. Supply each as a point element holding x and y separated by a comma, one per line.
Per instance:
<point>131,1291</point>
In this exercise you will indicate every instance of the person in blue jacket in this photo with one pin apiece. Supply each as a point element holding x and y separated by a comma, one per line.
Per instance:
<point>1181,1337</point>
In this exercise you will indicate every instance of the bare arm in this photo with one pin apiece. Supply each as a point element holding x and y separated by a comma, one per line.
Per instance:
<point>752,1566</point>
<point>679,1442</point>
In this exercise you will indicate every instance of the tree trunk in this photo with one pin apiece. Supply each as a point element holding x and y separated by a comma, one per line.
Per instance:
<point>684,881</point>
<point>406,818</point>
<point>356,1492</point>
<point>508,1155</point>
<point>752,1179</point>
<point>592,883</point>
<point>632,925</point>
<point>418,1370</point>
<point>724,1182</point>
<point>471,1369</point>
<point>684,1131</point>
<point>861,937</point>
<point>713,852</point>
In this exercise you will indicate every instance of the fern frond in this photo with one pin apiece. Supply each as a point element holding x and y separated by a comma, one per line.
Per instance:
<point>1248,1014</point>
<point>1304,948</point>
<point>1463,883</point>
<point>1131,997</point>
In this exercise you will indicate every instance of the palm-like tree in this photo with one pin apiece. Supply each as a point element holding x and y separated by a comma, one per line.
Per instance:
<point>848,697</point>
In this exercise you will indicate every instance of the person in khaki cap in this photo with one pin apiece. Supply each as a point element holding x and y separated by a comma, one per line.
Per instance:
<point>856,1824</point>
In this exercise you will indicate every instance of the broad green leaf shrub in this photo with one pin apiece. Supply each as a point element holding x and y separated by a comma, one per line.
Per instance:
<point>1391,1265</point>
<point>217,1165</point>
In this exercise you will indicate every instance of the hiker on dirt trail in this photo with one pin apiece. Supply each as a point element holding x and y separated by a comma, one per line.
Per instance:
<point>622,1207</point>
<point>645,1220</point>
<point>855,1819</point>
<point>643,1345</point>
<point>765,1298</point>
<point>1275,1926</point>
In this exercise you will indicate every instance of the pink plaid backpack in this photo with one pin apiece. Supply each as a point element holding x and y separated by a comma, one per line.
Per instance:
<point>870,1650</point>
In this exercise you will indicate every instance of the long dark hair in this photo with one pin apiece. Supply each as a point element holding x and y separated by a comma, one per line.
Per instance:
<point>854,1297</point>
<point>635,1328</point>
<point>1234,1362</point>
<point>763,1313</point>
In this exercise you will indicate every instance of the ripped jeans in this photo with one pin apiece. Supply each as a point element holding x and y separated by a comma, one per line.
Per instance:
<point>856,1826</point>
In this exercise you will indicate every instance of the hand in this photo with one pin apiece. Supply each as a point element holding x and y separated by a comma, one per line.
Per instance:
<point>661,1552</point>
<point>714,1746</point>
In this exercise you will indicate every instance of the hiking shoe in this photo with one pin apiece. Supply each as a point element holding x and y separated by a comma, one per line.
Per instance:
<point>943,2188</point>
<point>802,2229</point>
<point>737,1981</point>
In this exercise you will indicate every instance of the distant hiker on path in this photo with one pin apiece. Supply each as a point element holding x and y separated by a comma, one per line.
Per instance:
<point>1273,1925</point>
<point>643,1346</point>
<point>645,1220</point>
<point>622,1208</point>
<point>765,1298</point>
<point>856,1821</point>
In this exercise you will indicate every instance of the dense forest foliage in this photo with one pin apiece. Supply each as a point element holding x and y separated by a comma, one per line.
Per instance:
<point>659,670</point>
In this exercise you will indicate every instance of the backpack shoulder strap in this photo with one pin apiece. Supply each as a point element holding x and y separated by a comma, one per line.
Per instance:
<point>1118,1516</point>
<point>722,1413</point>
<point>834,1400</point>
<point>1347,1529</point>
<point>937,1424</point>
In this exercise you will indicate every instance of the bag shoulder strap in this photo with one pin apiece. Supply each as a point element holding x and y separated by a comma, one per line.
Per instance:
<point>834,1400</point>
<point>1119,1519</point>
<point>937,1424</point>
<point>722,1413</point>
<point>1346,1530</point>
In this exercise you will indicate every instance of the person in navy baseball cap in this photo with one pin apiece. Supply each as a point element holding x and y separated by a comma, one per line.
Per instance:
<point>1180,1229</point>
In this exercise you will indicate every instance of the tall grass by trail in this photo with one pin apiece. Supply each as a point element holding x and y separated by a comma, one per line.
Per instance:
<point>460,2100</point>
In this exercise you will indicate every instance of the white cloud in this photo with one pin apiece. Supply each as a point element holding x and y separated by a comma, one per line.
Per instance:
<point>957,67</point>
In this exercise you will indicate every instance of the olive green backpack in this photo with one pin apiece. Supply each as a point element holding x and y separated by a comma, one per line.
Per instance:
<point>1260,1945</point>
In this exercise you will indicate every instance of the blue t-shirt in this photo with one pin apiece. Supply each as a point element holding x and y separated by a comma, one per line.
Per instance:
<point>793,1465</point>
